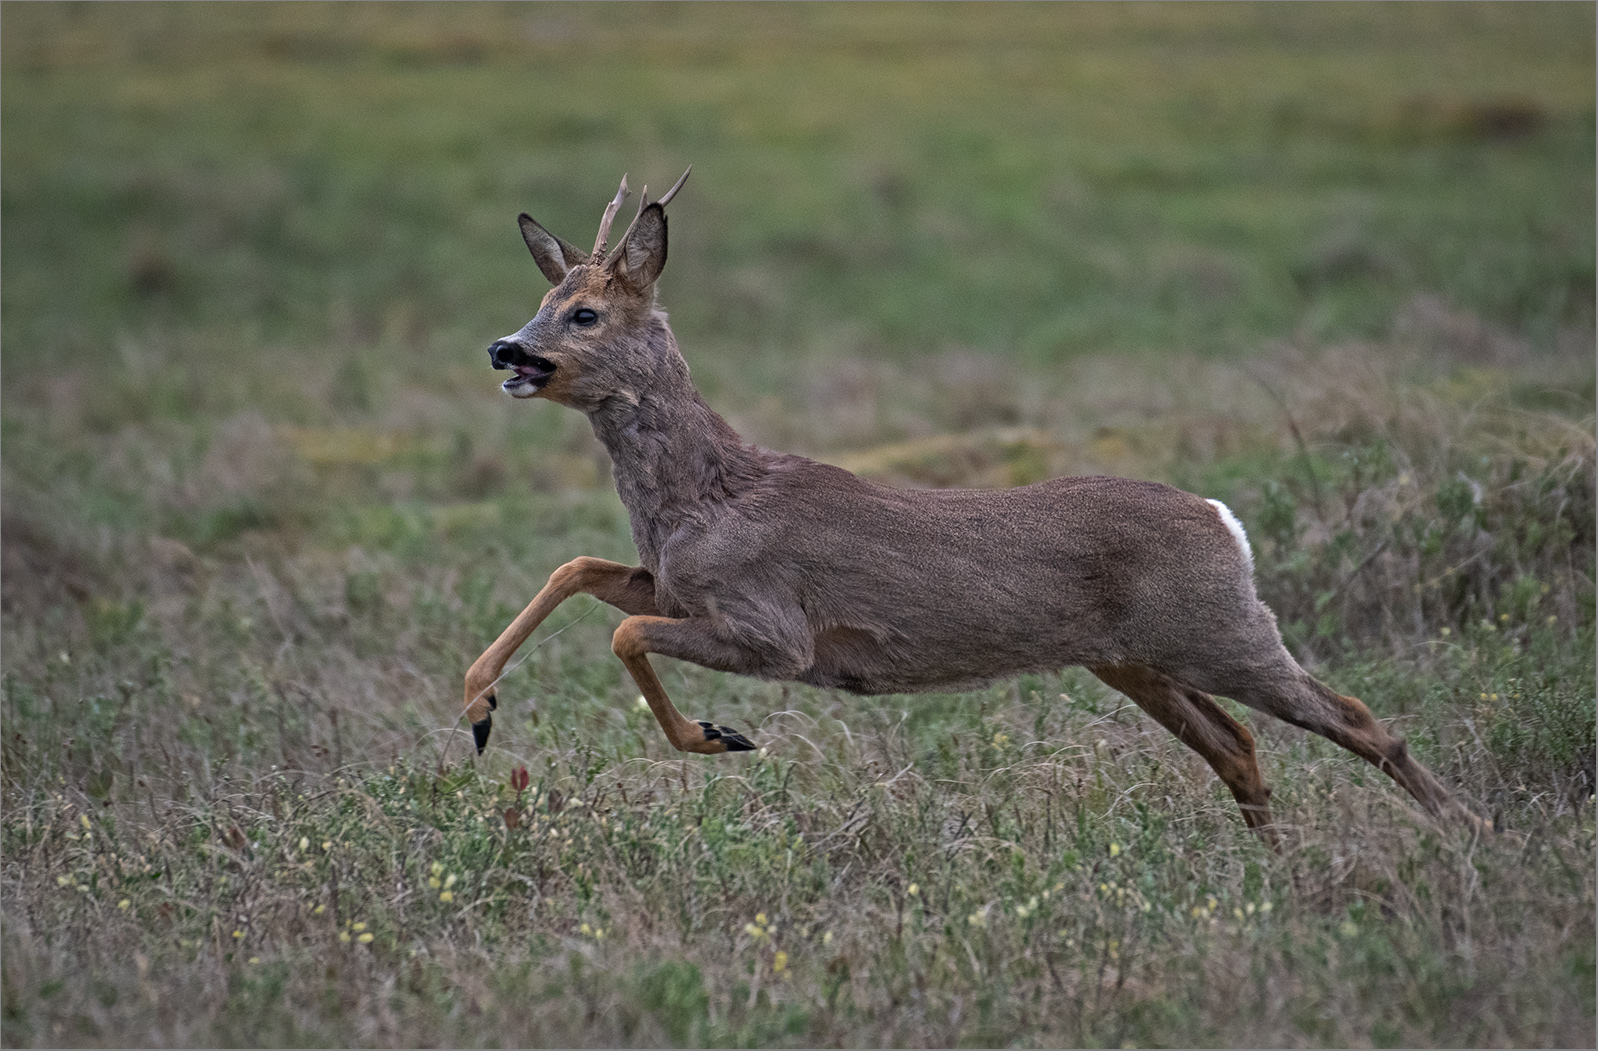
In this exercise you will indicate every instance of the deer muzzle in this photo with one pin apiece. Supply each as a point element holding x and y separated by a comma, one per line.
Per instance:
<point>532,371</point>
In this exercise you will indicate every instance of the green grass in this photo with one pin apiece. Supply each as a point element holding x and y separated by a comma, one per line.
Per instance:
<point>262,506</point>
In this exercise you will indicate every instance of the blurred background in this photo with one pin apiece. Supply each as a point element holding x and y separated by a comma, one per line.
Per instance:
<point>252,253</point>
<point>307,212</point>
<point>291,228</point>
<point>264,502</point>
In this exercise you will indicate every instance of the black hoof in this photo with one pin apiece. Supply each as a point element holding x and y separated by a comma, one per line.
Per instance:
<point>480,732</point>
<point>735,741</point>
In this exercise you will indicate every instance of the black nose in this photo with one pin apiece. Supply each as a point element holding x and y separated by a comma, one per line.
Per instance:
<point>503,354</point>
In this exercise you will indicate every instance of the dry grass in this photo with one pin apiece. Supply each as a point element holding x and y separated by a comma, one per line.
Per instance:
<point>248,743</point>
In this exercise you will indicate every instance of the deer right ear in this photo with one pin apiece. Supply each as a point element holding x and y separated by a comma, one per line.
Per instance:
<point>643,254</point>
<point>553,256</point>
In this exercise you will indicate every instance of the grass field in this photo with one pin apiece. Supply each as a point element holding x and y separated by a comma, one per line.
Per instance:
<point>263,504</point>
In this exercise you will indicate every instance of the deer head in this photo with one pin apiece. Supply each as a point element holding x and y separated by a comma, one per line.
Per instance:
<point>597,335</point>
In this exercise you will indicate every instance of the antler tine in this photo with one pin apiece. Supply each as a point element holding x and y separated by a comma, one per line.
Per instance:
<point>601,242</point>
<point>643,202</point>
<point>665,200</point>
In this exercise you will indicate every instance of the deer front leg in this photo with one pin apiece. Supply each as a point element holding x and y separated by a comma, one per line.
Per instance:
<point>691,639</point>
<point>630,589</point>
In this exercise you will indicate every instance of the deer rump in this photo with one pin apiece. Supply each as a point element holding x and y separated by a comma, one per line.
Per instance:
<point>819,576</point>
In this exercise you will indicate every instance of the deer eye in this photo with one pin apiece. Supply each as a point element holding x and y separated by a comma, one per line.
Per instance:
<point>584,317</point>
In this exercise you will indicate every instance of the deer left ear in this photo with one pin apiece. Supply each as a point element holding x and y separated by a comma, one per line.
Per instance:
<point>642,255</point>
<point>553,255</point>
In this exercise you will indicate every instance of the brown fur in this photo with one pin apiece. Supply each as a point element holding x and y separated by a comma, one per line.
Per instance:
<point>779,567</point>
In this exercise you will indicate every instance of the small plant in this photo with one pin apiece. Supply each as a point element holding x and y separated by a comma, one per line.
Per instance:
<point>518,782</point>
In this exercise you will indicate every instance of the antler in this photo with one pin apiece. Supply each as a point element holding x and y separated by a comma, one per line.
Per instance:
<point>673,191</point>
<point>643,203</point>
<point>600,242</point>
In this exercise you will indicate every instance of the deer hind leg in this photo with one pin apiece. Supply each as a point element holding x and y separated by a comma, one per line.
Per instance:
<point>1293,695</point>
<point>629,588</point>
<point>1202,725</point>
<point>690,639</point>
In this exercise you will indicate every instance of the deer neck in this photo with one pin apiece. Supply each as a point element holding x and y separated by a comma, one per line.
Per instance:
<point>673,458</point>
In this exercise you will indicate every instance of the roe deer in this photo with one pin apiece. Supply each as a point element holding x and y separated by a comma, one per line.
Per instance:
<point>778,567</point>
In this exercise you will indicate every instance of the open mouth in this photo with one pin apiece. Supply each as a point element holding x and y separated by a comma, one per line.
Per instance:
<point>532,373</point>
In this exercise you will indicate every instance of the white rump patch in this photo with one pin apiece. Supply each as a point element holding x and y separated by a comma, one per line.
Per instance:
<point>1229,520</point>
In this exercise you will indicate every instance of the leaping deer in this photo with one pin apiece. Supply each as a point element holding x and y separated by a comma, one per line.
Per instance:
<point>775,566</point>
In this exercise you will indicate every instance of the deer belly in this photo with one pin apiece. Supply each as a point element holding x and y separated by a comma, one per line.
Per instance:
<point>854,660</point>
<point>850,659</point>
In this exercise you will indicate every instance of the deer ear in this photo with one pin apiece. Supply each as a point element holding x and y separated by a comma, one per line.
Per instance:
<point>553,256</point>
<point>642,256</point>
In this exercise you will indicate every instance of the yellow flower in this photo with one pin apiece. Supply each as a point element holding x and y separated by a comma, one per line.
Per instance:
<point>585,929</point>
<point>305,842</point>
<point>913,889</point>
<point>448,895</point>
<point>357,927</point>
<point>344,937</point>
<point>84,819</point>
<point>238,934</point>
<point>365,938</point>
<point>1115,849</point>
<point>779,962</point>
<point>124,903</point>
